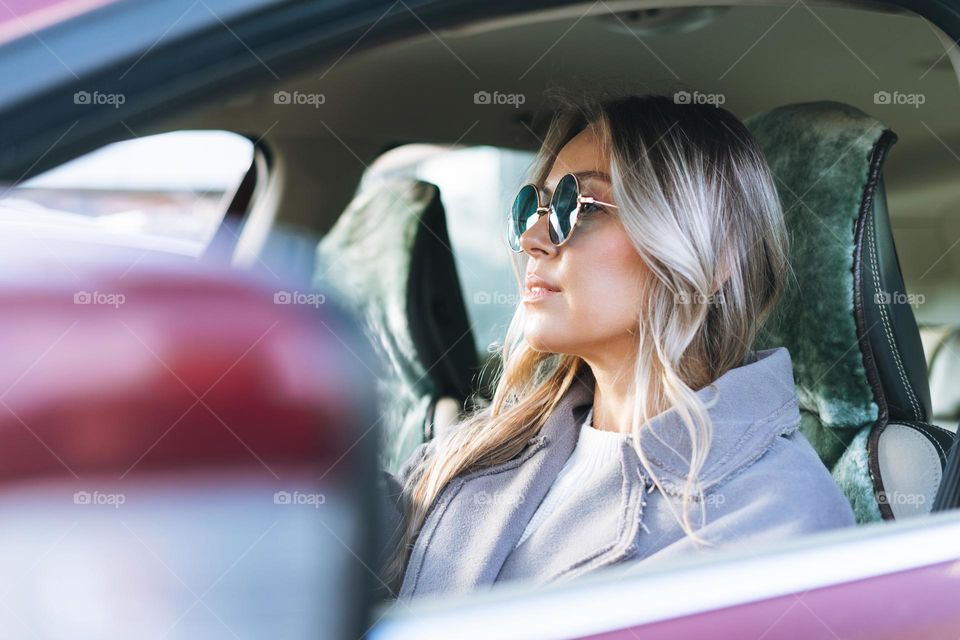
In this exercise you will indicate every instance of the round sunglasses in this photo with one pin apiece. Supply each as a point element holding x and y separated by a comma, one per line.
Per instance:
<point>564,211</point>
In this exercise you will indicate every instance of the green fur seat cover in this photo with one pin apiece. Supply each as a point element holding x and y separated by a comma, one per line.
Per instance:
<point>367,257</point>
<point>820,155</point>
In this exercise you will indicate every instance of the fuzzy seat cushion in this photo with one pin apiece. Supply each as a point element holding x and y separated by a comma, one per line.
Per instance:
<point>389,257</point>
<point>820,154</point>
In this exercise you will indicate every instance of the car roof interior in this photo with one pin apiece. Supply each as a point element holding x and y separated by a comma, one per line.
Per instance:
<point>758,56</point>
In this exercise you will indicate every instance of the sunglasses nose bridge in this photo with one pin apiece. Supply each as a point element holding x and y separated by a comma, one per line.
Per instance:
<point>540,212</point>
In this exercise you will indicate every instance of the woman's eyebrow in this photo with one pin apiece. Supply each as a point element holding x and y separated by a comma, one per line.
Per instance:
<point>582,175</point>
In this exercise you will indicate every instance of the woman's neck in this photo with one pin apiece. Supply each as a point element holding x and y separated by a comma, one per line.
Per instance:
<point>612,405</point>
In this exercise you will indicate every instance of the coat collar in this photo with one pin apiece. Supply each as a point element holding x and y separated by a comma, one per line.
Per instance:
<point>749,407</point>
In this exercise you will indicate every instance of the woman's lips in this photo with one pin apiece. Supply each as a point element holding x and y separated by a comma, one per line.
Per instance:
<point>537,294</point>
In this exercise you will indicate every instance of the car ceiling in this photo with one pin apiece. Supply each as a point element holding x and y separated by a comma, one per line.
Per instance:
<point>758,56</point>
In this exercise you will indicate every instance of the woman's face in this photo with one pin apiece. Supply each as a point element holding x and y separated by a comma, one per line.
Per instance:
<point>597,271</point>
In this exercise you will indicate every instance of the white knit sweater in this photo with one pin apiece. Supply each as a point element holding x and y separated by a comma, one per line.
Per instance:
<point>597,452</point>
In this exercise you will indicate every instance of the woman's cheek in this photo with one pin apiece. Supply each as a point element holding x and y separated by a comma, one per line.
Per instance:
<point>611,306</point>
<point>615,292</point>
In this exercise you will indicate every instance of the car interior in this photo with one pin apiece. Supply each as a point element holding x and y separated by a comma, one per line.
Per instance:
<point>393,190</point>
<point>843,54</point>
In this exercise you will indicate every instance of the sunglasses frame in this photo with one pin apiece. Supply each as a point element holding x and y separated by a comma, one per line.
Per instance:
<point>553,217</point>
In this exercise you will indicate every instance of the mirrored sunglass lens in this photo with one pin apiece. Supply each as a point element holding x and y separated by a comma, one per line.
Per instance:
<point>563,205</point>
<point>523,215</point>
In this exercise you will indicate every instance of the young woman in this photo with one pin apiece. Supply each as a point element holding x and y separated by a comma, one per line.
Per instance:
<point>631,421</point>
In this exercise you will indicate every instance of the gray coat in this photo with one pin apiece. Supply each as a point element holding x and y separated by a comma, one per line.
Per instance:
<point>762,480</point>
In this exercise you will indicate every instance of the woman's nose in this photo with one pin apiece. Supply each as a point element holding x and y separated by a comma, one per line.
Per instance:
<point>536,239</point>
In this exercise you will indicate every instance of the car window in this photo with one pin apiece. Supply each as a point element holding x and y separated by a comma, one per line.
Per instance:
<point>477,186</point>
<point>167,192</point>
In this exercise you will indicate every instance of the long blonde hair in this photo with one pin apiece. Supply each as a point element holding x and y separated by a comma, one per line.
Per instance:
<point>697,199</point>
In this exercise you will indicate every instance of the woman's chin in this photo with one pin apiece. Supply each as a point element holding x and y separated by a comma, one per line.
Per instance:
<point>540,341</point>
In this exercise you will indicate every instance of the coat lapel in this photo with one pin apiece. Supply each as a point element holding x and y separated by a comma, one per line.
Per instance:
<point>749,407</point>
<point>455,550</point>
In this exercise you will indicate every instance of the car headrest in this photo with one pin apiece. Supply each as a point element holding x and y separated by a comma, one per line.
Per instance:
<point>846,317</point>
<point>932,336</point>
<point>944,371</point>
<point>389,255</point>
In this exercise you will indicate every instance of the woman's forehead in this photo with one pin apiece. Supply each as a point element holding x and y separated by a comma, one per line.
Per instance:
<point>583,156</point>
